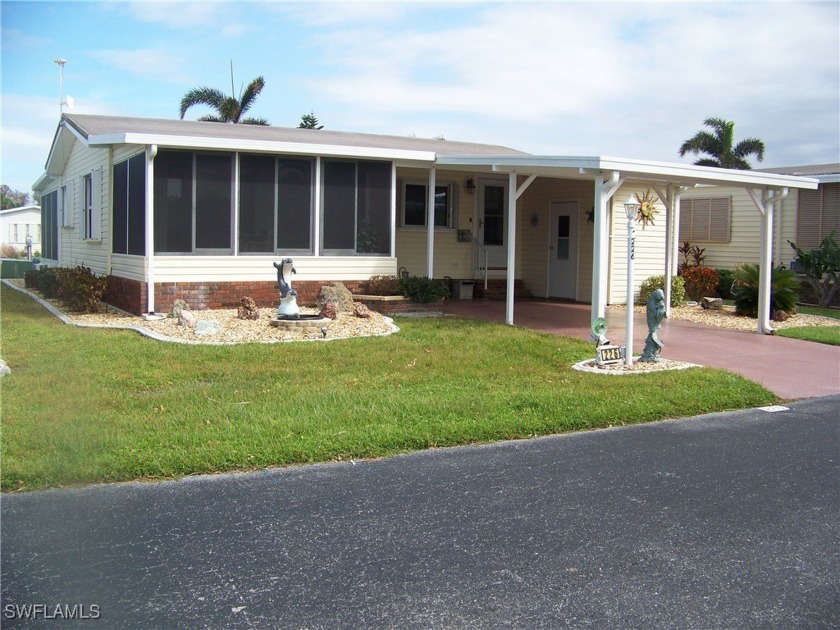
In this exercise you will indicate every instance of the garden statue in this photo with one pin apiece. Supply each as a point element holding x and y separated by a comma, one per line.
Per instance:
<point>655,313</point>
<point>288,296</point>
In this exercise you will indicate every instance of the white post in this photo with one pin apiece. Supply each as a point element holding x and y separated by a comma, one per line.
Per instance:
<point>631,255</point>
<point>393,245</point>
<point>151,152</point>
<point>511,248</point>
<point>430,220</point>
<point>766,264</point>
<point>599,251</point>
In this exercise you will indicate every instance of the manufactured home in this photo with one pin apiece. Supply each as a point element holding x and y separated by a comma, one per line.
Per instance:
<point>198,210</point>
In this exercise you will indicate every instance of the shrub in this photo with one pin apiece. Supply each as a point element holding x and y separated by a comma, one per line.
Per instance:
<point>700,282</point>
<point>821,267</point>
<point>658,282</point>
<point>80,289</point>
<point>10,251</point>
<point>693,256</point>
<point>383,285</point>
<point>783,286</point>
<point>422,289</point>
<point>724,288</point>
<point>44,280</point>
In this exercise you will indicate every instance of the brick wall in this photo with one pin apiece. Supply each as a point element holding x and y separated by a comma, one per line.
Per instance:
<point>130,295</point>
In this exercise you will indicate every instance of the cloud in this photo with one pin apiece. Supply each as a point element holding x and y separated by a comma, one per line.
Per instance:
<point>148,63</point>
<point>14,39</point>
<point>220,17</point>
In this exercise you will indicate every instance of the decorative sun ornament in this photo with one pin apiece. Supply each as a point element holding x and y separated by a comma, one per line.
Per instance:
<point>647,208</point>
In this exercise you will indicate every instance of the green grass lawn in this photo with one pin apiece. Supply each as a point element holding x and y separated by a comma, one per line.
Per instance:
<point>816,310</point>
<point>87,405</point>
<point>820,334</point>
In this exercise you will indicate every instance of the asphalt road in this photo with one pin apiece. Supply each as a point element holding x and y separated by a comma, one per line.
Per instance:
<point>722,521</point>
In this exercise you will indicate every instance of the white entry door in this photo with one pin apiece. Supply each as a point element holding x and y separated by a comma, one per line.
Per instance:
<point>492,225</point>
<point>562,250</point>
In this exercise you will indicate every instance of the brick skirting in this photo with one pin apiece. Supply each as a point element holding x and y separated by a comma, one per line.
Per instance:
<point>130,295</point>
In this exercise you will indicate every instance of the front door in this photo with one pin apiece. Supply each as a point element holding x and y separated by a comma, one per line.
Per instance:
<point>562,250</point>
<point>492,225</point>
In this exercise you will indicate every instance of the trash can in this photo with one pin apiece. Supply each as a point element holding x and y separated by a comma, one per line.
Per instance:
<point>465,289</point>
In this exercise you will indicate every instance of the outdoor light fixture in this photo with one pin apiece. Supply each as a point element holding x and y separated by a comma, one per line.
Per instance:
<point>470,185</point>
<point>631,209</point>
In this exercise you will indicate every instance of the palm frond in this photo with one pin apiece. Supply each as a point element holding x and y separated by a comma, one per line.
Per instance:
<point>750,146</point>
<point>201,96</point>
<point>254,121</point>
<point>708,162</point>
<point>249,95</point>
<point>210,118</point>
<point>703,142</point>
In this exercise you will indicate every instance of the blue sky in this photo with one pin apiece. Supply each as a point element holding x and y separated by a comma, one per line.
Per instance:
<point>559,78</point>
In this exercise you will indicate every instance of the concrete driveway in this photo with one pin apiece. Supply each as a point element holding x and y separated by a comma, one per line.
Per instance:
<point>722,521</point>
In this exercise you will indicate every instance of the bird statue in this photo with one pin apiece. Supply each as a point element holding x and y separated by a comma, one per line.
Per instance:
<point>288,296</point>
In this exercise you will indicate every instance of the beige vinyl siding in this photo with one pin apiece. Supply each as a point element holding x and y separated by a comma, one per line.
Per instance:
<point>650,246</point>
<point>452,258</point>
<point>745,229</point>
<point>533,241</point>
<point>257,268</point>
<point>73,249</point>
<point>131,267</point>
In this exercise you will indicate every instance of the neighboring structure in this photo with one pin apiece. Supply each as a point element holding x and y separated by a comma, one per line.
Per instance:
<point>719,219</point>
<point>18,223</point>
<point>200,211</point>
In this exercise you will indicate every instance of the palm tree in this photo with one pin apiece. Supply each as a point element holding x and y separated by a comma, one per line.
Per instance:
<point>718,145</point>
<point>230,108</point>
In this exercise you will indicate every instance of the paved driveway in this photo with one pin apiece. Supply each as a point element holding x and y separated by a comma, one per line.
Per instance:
<point>723,521</point>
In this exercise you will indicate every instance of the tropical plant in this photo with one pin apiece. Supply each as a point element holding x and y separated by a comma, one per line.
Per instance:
<point>230,108</point>
<point>309,121</point>
<point>693,256</point>
<point>700,282</point>
<point>821,267</point>
<point>724,287</point>
<point>658,282</point>
<point>718,146</point>
<point>783,287</point>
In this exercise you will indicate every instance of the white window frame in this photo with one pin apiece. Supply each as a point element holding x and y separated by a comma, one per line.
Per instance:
<point>451,209</point>
<point>90,200</point>
<point>65,205</point>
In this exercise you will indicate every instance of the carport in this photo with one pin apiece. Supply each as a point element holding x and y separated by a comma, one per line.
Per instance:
<point>607,175</point>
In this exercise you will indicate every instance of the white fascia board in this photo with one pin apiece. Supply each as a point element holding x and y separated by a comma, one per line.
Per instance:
<point>633,170</point>
<point>42,182</point>
<point>261,146</point>
<point>833,178</point>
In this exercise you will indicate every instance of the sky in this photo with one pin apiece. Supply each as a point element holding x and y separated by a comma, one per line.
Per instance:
<point>620,79</point>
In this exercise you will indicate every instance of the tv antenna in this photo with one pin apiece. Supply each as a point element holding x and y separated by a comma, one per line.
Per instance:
<point>62,102</point>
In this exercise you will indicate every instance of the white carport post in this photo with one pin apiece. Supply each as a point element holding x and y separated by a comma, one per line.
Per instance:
<point>430,220</point>
<point>151,152</point>
<point>604,190</point>
<point>765,206</point>
<point>513,195</point>
<point>671,200</point>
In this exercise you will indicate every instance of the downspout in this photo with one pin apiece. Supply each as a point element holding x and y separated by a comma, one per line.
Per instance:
<point>511,248</point>
<point>151,152</point>
<point>110,250</point>
<point>430,220</point>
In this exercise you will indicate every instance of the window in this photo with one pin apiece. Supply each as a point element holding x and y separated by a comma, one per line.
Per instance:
<point>65,200</point>
<point>19,231</point>
<point>49,225</point>
<point>90,199</point>
<point>356,207</point>
<point>415,202</point>
<point>275,192</point>
<point>130,206</point>
<point>705,219</point>
<point>818,213</point>
<point>193,202</point>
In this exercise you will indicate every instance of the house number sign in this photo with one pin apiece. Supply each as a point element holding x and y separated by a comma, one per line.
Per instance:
<point>609,354</point>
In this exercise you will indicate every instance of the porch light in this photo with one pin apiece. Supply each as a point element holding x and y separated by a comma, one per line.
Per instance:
<point>469,184</point>
<point>631,209</point>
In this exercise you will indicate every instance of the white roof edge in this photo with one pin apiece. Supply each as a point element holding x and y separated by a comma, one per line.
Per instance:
<point>234,144</point>
<point>31,206</point>
<point>643,168</point>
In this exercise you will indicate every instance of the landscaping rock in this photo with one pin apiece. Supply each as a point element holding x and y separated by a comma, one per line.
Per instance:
<point>713,303</point>
<point>360,310</point>
<point>247,309</point>
<point>186,319</point>
<point>780,316</point>
<point>4,368</point>
<point>339,295</point>
<point>177,307</point>
<point>328,311</point>
<point>208,327</point>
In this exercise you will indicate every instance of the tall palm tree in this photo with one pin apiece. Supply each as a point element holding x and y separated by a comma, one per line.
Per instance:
<point>718,146</point>
<point>230,109</point>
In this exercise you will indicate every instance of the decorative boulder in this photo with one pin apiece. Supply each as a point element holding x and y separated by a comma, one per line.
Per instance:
<point>208,327</point>
<point>328,311</point>
<point>712,303</point>
<point>177,307</point>
<point>4,368</point>
<point>186,319</point>
<point>339,295</point>
<point>780,316</point>
<point>360,310</point>
<point>247,309</point>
